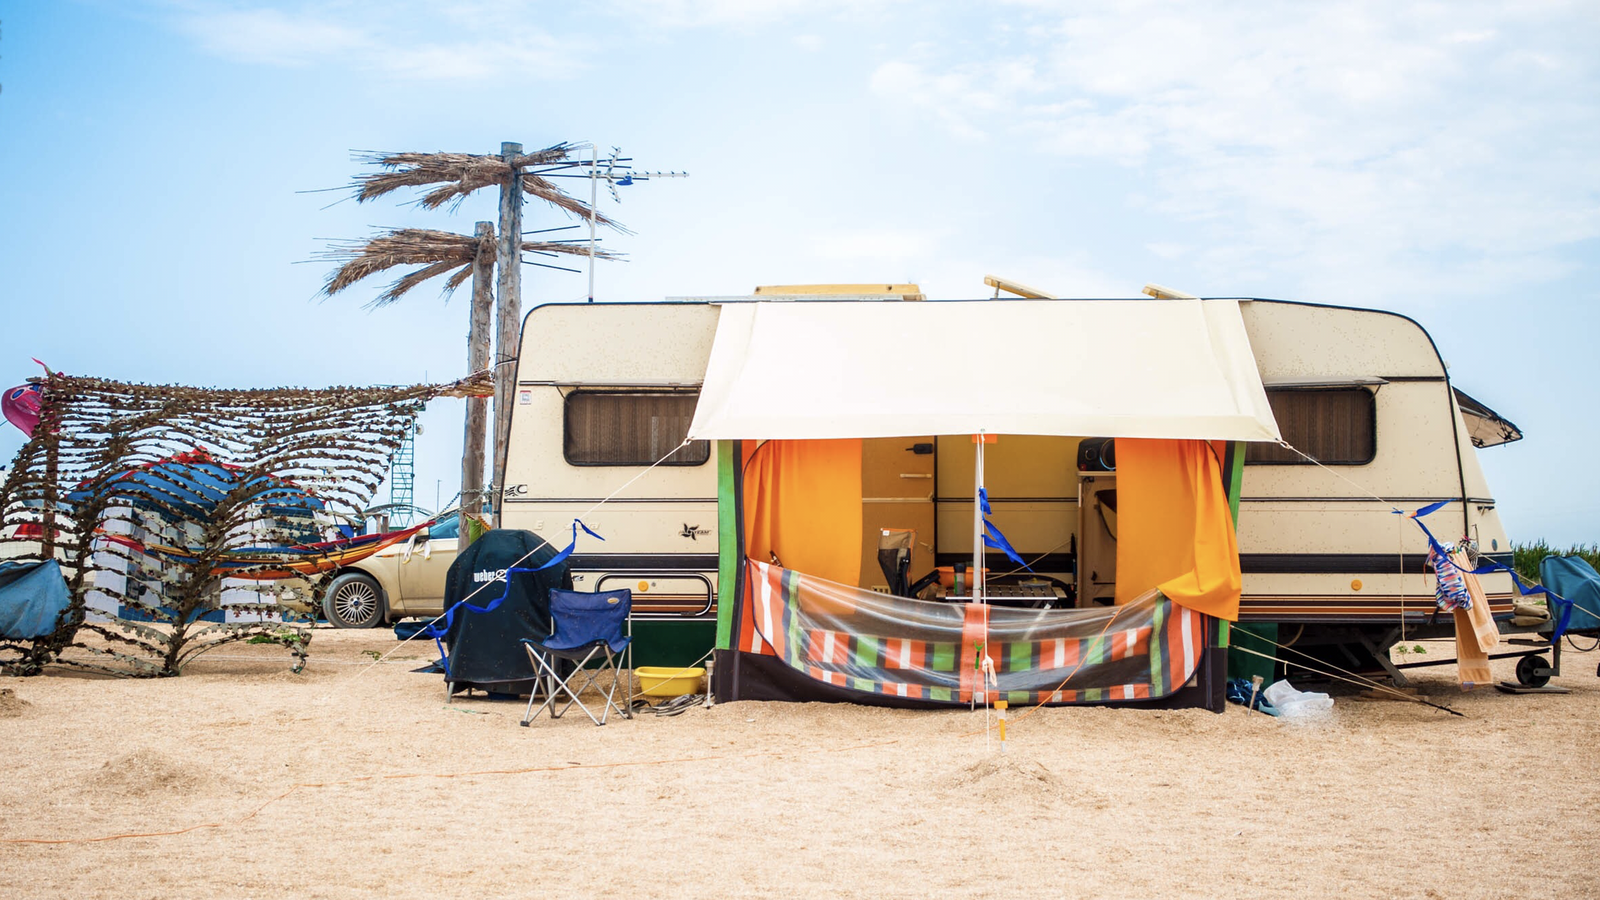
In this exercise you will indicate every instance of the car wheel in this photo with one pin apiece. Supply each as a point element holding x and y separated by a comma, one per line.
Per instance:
<point>354,601</point>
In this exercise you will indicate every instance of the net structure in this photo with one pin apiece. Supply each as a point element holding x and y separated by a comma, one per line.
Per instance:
<point>182,518</point>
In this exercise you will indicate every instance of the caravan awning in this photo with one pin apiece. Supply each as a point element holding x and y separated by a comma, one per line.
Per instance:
<point>1107,368</point>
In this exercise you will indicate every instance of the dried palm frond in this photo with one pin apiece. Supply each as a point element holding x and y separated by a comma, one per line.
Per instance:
<point>545,157</point>
<point>460,174</point>
<point>572,249</point>
<point>406,282</point>
<point>417,169</point>
<point>437,252</point>
<point>547,191</point>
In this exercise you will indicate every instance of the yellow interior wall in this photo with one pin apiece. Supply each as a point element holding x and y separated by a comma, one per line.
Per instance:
<point>1040,468</point>
<point>1016,465</point>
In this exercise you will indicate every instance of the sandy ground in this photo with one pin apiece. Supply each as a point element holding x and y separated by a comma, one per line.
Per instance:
<point>410,797</point>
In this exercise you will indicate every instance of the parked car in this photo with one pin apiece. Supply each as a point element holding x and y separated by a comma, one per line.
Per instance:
<point>396,582</point>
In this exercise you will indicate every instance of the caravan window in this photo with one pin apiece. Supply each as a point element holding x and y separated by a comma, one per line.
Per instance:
<point>1337,427</point>
<point>631,428</point>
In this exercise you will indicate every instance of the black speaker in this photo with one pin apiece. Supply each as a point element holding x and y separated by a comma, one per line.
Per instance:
<point>1097,455</point>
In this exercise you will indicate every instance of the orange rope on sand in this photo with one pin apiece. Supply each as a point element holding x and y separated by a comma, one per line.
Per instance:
<point>412,775</point>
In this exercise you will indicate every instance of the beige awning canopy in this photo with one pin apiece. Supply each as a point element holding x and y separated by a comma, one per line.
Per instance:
<point>1107,368</point>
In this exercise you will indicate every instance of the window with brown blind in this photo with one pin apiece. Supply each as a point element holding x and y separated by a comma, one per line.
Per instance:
<point>1335,426</point>
<point>631,428</point>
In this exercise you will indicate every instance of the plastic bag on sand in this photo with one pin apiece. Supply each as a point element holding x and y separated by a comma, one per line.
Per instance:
<point>1295,704</point>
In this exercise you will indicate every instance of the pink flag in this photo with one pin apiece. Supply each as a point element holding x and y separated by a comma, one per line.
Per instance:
<point>21,406</point>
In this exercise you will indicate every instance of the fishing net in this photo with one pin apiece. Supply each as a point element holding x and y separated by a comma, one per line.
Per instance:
<point>183,518</point>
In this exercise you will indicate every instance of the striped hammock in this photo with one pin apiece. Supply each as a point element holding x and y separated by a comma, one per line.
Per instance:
<point>277,563</point>
<point>861,640</point>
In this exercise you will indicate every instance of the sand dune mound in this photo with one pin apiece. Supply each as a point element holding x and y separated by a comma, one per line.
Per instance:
<point>1015,780</point>
<point>12,706</point>
<point>148,772</point>
<point>1008,769</point>
<point>1008,777</point>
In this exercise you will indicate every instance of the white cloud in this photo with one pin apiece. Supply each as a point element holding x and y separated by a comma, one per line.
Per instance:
<point>462,44</point>
<point>474,39</point>
<point>1352,143</point>
<point>272,36</point>
<point>742,13</point>
<point>960,97</point>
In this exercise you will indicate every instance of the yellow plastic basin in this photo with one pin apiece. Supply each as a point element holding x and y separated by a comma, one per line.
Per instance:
<point>666,681</point>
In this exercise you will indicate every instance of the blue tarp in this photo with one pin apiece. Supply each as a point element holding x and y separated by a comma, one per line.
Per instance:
<point>193,484</point>
<point>32,596</point>
<point>1574,579</point>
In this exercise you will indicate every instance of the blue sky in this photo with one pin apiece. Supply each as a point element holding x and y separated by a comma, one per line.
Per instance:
<point>1437,159</point>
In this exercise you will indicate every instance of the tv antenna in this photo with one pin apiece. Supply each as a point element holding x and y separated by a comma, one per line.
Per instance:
<point>616,171</point>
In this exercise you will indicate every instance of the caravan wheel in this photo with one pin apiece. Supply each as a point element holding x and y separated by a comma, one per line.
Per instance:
<point>354,601</point>
<point>1533,671</point>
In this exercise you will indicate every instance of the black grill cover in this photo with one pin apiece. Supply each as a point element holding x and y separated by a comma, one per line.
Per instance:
<point>485,649</point>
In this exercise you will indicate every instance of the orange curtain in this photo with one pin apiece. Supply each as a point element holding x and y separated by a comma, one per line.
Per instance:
<point>1175,531</point>
<point>802,502</point>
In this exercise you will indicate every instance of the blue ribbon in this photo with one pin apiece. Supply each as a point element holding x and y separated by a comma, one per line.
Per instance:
<point>439,628</point>
<point>1486,566</point>
<point>992,537</point>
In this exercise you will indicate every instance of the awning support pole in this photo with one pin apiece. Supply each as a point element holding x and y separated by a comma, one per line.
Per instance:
<point>979,594</point>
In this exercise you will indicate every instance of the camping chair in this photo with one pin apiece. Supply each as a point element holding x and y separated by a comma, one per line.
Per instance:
<point>587,626</point>
<point>894,558</point>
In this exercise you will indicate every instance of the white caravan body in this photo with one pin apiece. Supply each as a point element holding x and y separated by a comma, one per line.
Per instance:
<point>1365,390</point>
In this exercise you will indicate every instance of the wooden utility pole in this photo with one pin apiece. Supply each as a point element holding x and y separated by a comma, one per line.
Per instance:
<point>478,356</point>
<point>508,314</point>
<point>454,176</point>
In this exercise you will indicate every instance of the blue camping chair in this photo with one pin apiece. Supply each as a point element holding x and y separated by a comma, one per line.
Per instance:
<point>588,628</point>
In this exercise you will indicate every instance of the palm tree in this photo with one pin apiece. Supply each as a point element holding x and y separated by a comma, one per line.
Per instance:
<point>455,175</point>
<point>439,253</point>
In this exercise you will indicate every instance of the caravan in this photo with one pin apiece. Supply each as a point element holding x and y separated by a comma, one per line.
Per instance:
<point>606,393</point>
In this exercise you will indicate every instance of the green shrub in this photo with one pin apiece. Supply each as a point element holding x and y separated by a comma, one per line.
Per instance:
<point>1525,558</point>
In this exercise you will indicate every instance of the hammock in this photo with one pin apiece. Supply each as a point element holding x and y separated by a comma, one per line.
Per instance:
<point>275,563</point>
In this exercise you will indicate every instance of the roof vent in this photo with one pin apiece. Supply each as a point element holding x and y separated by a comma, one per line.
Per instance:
<point>841,291</point>
<point>1016,287</point>
<point>1166,293</point>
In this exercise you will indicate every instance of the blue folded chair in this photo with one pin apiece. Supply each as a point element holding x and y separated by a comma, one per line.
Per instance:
<point>1577,583</point>
<point>588,628</point>
<point>33,595</point>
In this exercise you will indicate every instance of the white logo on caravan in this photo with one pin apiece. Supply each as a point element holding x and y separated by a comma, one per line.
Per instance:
<point>486,576</point>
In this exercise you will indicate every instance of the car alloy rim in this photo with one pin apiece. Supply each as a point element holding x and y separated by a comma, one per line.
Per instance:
<point>356,602</point>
